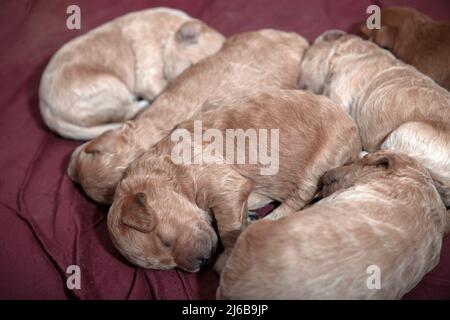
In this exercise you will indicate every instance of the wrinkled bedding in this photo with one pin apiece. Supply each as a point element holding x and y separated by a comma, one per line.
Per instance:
<point>46,222</point>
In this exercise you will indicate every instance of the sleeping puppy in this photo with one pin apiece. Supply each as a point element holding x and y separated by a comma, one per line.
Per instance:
<point>249,62</point>
<point>380,213</point>
<point>395,106</point>
<point>160,217</point>
<point>416,39</point>
<point>100,79</point>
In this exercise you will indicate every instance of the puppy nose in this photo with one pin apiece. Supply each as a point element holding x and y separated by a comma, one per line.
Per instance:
<point>202,261</point>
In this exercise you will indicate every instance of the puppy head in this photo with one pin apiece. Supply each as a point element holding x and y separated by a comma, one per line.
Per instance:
<point>98,165</point>
<point>154,221</point>
<point>393,20</point>
<point>192,42</point>
<point>378,165</point>
<point>384,37</point>
<point>316,64</point>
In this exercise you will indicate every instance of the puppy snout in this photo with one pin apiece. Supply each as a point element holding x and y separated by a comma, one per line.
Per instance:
<point>302,86</point>
<point>334,179</point>
<point>202,261</point>
<point>328,178</point>
<point>335,175</point>
<point>328,183</point>
<point>72,167</point>
<point>197,256</point>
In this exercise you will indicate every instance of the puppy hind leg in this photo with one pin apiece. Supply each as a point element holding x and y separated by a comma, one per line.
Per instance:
<point>103,99</point>
<point>228,198</point>
<point>256,201</point>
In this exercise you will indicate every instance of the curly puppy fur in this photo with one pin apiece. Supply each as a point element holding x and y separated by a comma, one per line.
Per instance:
<point>173,227</point>
<point>382,211</point>
<point>100,79</point>
<point>395,106</point>
<point>248,63</point>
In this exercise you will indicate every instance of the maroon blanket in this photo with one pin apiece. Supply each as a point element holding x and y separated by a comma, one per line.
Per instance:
<point>46,222</point>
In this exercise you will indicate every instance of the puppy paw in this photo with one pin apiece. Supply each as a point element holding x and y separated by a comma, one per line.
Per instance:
<point>274,215</point>
<point>278,213</point>
<point>362,154</point>
<point>271,216</point>
<point>221,262</point>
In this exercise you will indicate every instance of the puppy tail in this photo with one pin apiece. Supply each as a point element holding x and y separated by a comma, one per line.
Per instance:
<point>85,109</point>
<point>76,132</point>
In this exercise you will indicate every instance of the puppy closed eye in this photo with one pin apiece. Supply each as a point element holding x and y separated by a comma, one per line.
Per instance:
<point>92,152</point>
<point>381,162</point>
<point>91,149</point>
<point>165,243</point>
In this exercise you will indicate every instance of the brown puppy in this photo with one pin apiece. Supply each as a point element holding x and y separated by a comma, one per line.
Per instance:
<point>171,226</point>
<point>395,106</point>
<point>249,62</point>
<point>416,39</point>
<point>382,214</point>
<point>106,76</point>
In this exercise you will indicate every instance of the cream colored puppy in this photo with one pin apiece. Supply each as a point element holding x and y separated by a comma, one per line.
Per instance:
<point>375,235</point>
<point>248,63</point>
<point>100,79</point>
<point>161,214</point>
<point>395,106</point>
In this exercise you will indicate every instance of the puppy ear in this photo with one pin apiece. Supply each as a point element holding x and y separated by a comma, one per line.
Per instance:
<point>189,32</point>
<point>381,161</point>
<point>330,35</point>
<point>385,37</point>
<point>136,214</point>
<point>106,142</point>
